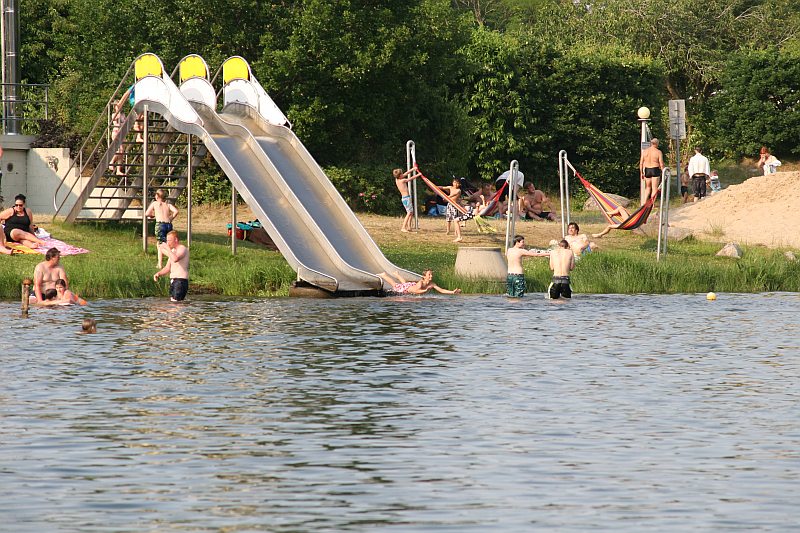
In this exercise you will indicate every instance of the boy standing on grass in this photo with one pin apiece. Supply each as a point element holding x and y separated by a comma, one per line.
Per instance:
<point>177,266</point>
<point>164,214</point>
<point>401,179</point>
<point>451,214</point>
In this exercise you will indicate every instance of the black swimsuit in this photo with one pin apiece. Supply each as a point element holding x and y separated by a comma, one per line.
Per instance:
<point>22,222</point>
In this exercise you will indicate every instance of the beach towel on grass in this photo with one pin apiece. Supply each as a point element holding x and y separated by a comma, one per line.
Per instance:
<point>17,248</point>
<point>64,248</point>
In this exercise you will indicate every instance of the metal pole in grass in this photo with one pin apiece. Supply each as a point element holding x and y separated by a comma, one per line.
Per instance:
<point>663,214</point>
<point>511,212</point>
<point>411,160</point>
<point>189,195</point>
<point>26,290</point>
<point>563,182</point>
<point>233,219</point>
<point>145,177</point>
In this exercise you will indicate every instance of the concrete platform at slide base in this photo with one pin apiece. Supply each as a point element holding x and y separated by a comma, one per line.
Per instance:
<point>481,262</point>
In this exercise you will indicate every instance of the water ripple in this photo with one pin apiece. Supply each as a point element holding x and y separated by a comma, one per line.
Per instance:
<point>468,414</point>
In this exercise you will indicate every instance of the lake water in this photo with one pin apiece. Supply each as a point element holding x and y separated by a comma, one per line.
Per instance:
<point>473,413</point>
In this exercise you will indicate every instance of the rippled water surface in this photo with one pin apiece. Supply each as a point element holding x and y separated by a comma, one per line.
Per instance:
<point>430,414</point>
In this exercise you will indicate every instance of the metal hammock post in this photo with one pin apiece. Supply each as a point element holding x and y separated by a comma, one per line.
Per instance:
<point>663,215</point>
<point>563,180</point>
<point>411,160</point>
<point>511,212</point>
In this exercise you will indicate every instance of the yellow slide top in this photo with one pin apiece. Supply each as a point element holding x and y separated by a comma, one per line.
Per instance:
<point>235,68</point>
<point>148,65</point>
<point>192,66</point>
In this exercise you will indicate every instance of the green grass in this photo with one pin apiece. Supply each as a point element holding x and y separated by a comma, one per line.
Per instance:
<point>118,268</point>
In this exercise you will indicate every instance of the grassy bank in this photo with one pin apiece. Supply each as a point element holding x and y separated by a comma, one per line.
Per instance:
<point>118,268</point>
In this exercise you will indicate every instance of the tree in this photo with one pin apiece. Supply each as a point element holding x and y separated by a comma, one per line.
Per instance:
<point>759,103</point>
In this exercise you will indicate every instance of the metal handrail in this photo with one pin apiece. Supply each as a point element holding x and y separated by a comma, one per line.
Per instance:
<point>79,161</point>
<point>22,118</point>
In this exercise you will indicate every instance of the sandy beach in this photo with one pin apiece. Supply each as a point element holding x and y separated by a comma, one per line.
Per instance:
<point>762,210</point>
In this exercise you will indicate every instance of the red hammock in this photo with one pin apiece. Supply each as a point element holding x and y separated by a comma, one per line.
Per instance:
<point>607,205</point>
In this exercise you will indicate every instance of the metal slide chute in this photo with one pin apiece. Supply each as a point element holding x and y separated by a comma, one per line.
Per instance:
<point>324,243</point>
<point>246,103</point>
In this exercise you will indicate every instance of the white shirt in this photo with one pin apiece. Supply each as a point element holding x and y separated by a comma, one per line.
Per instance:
<point>699,164</point>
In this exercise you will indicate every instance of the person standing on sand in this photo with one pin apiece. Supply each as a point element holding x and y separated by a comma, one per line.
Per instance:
<point>699,170</point>
<point>651,165</point>
<point>515,280</point>
<point>177,266</point>
<point>401,180</point>
<point>164,214</point>
<point>767,161</point>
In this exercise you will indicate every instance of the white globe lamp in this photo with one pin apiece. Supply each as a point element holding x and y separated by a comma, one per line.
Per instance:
<point>644,113</point>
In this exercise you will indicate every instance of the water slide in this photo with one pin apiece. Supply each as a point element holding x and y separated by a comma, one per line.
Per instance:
<point>298,206</point>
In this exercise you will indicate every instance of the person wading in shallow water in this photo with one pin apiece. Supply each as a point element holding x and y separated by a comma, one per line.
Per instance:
<point>177,266</point>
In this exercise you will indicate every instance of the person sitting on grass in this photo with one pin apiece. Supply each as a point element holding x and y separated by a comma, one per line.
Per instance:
<point>621,212</point>
<point>578,242</point>
<point>18,224</point>
<point>399,285</point>
<point>3,249</point>
<point>533,203</point>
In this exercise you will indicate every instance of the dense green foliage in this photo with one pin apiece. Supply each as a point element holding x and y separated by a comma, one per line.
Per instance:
<point>474,83</point>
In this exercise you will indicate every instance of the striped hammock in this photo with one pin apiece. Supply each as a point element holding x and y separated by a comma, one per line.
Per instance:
<point>607,205</point>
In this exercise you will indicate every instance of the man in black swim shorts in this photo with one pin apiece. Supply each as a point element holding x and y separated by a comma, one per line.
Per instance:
<point>651,164</point>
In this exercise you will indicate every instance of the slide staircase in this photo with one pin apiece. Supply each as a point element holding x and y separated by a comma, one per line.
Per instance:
<point>106,180</point>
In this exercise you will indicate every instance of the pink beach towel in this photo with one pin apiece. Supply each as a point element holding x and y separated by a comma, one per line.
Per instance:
<point>64,248</point>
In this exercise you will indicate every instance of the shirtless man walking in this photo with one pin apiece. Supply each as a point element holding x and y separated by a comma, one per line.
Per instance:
<point>401,179</point>
<point>562,261</point>
<point>47,273</point>
<point>177,266</point>
<point>515,281</point>
<point>651,164</point>
<point>164,214</point>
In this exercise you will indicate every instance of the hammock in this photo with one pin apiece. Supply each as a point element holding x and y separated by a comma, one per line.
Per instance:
<point>493,201</point>
<point>607,205</point>
<point>466,214</point>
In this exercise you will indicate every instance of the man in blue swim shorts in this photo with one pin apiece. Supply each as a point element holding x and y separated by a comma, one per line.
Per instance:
<point>515,281</point>
<point>164,214</point>
<point>401,179</point>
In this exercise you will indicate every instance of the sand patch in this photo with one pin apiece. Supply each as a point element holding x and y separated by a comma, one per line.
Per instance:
<point>762,210</point>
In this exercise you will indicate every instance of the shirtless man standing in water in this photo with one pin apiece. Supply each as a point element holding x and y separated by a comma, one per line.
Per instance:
<point>515,281</point>
<point>562,261</point>
<point>47,273</point>
<point>651,164</point>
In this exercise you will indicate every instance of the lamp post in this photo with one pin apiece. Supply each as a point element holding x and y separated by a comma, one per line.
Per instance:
<point>644,117</point>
